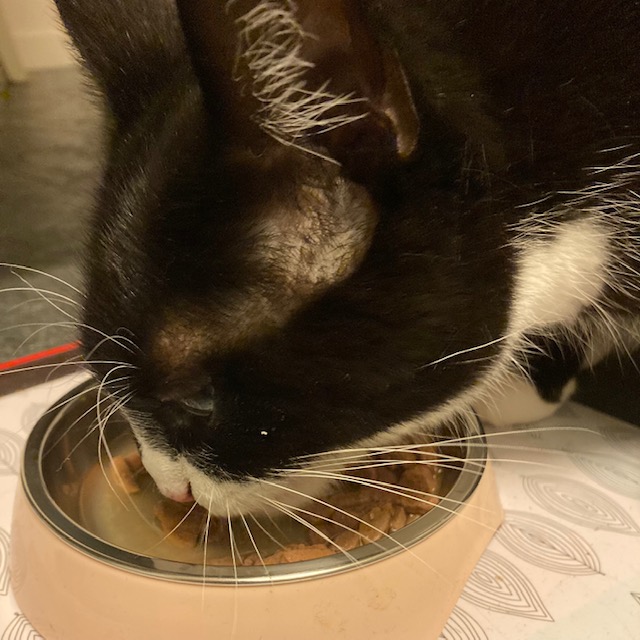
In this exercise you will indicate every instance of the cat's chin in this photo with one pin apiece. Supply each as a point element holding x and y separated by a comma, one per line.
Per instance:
<point>253,496</point>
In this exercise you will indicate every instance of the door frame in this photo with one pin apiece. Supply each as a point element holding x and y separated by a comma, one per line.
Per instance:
<point>12,66</point>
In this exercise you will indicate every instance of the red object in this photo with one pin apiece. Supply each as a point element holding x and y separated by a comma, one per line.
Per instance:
<point>40,355</point>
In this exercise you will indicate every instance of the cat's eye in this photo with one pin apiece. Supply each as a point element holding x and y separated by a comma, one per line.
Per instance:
<point>201,404</point>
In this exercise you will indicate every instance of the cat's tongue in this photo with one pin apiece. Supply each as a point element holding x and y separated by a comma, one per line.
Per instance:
<point>179,496</point>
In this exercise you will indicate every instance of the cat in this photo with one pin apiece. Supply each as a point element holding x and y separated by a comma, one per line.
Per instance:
<point>329,224</point>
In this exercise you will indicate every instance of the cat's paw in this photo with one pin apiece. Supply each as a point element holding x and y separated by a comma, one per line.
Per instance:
<point>518,401</point>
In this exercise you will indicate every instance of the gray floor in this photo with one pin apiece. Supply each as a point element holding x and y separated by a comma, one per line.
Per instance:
<point>49,162</point>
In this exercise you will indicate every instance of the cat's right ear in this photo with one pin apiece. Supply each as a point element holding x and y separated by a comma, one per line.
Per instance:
<point>310,73</point>
<point>211,33</point>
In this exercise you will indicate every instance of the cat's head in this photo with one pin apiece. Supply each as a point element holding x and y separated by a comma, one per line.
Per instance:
<point>287,242</point>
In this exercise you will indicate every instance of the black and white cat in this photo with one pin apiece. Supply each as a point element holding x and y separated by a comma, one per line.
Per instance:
<point>327,224</point>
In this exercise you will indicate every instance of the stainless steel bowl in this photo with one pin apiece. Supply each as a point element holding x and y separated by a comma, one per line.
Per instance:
<point>66,492</point>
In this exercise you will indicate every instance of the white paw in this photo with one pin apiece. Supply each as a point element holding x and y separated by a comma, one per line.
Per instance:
<point>518,402</point>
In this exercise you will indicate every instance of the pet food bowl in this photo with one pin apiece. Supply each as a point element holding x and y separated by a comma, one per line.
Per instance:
<point>87,565</point>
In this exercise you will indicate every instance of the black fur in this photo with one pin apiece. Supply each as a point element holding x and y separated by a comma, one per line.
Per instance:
<point>515,99</point>
<point>552,365</point>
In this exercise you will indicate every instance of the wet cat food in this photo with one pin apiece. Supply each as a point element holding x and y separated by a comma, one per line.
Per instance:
<point>378,497</point>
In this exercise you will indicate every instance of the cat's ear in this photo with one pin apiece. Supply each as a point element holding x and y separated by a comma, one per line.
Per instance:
<point>310,73</point>
<point>213,38</point>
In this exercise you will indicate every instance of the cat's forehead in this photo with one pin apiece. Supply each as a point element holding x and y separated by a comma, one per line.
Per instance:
<point>316,239</point>
<point>295,249</point>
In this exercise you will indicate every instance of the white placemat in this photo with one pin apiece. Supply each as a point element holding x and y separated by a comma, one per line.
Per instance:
<point>18,414</point>
<point>564,566</point>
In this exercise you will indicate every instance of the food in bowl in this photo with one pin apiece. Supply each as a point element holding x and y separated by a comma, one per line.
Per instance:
<point>377,497</point>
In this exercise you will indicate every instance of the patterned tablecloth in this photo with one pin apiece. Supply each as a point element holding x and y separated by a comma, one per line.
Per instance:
<point>565,565</point>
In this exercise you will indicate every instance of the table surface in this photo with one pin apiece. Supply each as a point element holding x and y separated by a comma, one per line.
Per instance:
<point>564,565</point>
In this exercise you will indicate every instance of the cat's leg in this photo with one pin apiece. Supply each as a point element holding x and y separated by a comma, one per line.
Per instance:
<point>519,401</point>
<point>551,368</point>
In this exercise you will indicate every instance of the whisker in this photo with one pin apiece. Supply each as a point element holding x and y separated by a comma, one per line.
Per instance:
<point>90,431</point>
<point>77,360</point>
<point>441,441</point>
<point>267,533</point>
<point>118,339</point>
<point>450,441</point>
<point>28,301</point>
<point>205,544</point>
<point>364,451</point>
<point>478,464</point>
<point>351,515</point>
<point>102,422</point>
<point>255,546</point>
<point>168,535</point>
<point>274,523</point>
<point>374,459</point>
<point>498,445</point>
<point>62,402</point>
<point>42,293</point>
<point>42,326</point>
<point>73,362</point>
<point>106,338</point>
<point>74,423</point>
<point>102,442</point>
<point>285,508</point>
<point>31,336</point>
<point>232,544</point>
<point>469,350</point>
<point>475,360</point>
<point>117,406</point>
<point>391,488</point>
<point>372,454</point>
<point>132,502</point>
<point>11,265</point>
<point>438,462</point>
<point>106,475</point>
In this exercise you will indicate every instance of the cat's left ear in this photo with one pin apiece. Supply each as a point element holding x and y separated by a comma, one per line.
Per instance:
<point>310,73</point>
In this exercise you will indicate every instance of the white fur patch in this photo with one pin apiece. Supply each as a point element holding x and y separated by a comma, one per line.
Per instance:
<point>168,473</point>
<point>175,476</point>
<point>571,270</point>
<point>253,495</point>
<point>566,268</point>
<point>559,276</point>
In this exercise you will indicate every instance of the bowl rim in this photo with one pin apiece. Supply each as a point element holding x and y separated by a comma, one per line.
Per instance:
<point>73,534</point>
